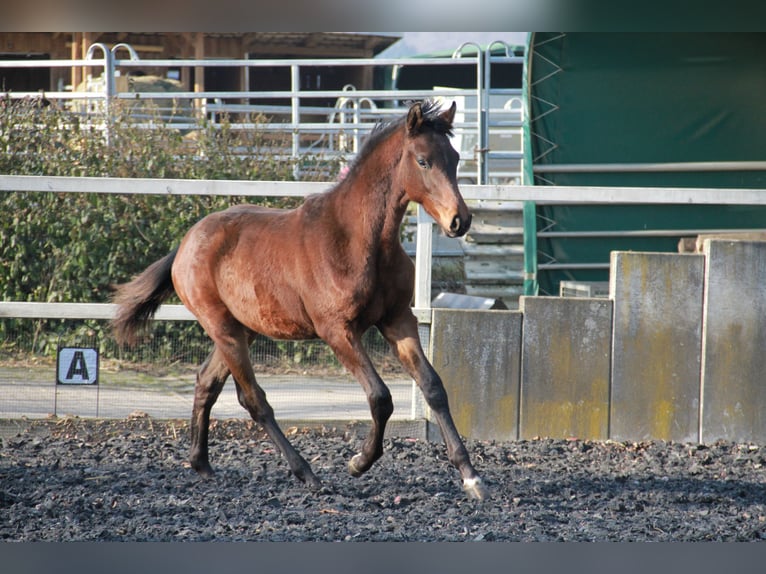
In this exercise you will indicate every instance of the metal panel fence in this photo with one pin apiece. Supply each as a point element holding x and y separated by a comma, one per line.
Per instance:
<point>318,121</point>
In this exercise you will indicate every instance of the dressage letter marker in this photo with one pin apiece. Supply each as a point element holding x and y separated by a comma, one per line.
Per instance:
<point>77,366</point>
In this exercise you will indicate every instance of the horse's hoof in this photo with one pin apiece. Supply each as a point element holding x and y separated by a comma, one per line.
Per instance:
<point>307,477</point>
<point>313,483</point>
<point>475,489</point>
<point>353,466</point>
<point>204,470</point>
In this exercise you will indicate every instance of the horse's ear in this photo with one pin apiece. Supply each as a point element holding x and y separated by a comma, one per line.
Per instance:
<point>414,118</point>
<point>449,115</point>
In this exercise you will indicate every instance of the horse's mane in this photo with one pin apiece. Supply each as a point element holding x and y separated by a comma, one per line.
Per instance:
<point>432,119</point>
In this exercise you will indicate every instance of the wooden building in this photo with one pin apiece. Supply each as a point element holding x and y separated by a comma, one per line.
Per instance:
<point>193,45</point>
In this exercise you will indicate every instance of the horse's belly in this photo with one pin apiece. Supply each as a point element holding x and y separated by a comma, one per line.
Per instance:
<point>280,327</point>
<point>275,315</point>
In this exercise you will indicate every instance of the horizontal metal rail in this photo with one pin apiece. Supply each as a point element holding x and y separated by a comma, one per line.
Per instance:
<point>543,195</point>
<point>638,233</point>
<point>107,311</point>
<point>580,266</point>
<point>469,60</point>
<point>300,62</point>
<point>52,63</point>
<point>506,193</point>
<point>148,186</point>
<point>585,195</point>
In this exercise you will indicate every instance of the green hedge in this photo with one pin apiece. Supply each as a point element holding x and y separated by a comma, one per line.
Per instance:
<point>72,247</point>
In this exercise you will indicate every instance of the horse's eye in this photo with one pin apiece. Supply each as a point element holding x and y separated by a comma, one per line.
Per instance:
<point>422,163</point>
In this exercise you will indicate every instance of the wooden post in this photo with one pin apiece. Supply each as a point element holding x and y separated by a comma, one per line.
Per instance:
<point>199,71</point>
<point>84,45</point>
<point>74,55</point>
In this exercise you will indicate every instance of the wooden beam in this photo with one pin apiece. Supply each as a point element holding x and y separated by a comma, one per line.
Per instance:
<point>199,71</point>
<point>76,72</point>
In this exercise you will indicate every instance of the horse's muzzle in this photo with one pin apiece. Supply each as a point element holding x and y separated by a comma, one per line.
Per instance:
<point>459,225</point>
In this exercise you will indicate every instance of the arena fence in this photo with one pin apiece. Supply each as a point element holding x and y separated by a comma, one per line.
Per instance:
<point>135,388</point>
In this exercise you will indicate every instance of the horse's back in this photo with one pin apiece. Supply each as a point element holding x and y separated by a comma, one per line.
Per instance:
<point>235,222</point>
<point>246,259</point>
<point>246,212</point>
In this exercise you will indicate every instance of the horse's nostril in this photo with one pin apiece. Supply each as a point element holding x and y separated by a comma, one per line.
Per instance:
<point>459,226</point>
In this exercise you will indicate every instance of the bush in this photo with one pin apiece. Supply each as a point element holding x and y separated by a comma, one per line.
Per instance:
<point>72,247</point>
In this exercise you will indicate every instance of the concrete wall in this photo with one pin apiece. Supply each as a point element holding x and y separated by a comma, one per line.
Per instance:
<point>734,358</point>
<point>565,367</point>
<point>477,354</point>
<point>657,338</point>
<point>677,352</point>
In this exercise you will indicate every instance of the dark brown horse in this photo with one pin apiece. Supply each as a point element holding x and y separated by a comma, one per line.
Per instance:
<point>331,268</point>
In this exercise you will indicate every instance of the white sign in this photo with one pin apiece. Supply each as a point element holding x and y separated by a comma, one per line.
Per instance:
<point>77,366</point>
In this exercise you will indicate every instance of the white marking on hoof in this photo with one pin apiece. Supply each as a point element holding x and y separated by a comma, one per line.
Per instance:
<point>352,468</point>
<point>474,488</point>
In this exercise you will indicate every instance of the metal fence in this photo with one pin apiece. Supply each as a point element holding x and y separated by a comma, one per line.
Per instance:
<point>303,379</point>
<point>330,123</point>
<point>326,122</point>
<point>29,389</point>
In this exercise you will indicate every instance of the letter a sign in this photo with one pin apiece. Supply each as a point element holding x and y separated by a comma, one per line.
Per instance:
<point>77,366</point>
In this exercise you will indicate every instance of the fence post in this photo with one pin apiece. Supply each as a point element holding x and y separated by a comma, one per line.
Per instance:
<point>423,250</point>
<point>295,111</point>
<point>109,85</point>
<point>481,111</point>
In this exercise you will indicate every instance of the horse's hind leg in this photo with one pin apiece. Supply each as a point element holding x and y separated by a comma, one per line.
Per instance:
<point>232,341</point>
<point>405,342</point>
<point>210,380</point>
<point>253,398</point>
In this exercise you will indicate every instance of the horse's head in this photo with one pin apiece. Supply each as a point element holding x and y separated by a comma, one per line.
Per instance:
<point>428,167</point>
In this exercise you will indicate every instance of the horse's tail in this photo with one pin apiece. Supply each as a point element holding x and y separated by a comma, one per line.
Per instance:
<point>138,300</point>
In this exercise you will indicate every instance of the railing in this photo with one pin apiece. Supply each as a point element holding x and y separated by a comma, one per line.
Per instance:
<point>539,195</point>
<point>422,307</point>
<point>330,122</point>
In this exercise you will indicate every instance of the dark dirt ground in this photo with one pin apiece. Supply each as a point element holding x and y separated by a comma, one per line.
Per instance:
<point>128,480</point>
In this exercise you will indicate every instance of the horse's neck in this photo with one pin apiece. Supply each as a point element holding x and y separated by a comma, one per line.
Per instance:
<point>374,211</point>
<point>374,200</point>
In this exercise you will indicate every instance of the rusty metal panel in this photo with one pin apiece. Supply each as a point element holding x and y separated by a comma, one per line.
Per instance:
<point>734,342</point>
<point>566,350</point>
<point>477,354</point>
<point>656,352</point>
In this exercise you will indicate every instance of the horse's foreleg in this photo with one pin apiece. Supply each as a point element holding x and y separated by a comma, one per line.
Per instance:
<point>348,348</point>
<point>210,380</point>
<point>405,342</point>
